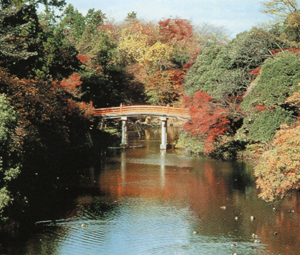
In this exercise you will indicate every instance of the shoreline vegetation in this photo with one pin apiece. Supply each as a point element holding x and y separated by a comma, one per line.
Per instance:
<point>243,94</point>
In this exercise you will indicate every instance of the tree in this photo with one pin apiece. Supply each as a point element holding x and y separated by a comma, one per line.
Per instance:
<point>102,72</point>
<point>57,56</point>
<point>20,44</point>
<point>224,73</point>
<point>175,30</point>
<point>47,3</point>
<point>266,104</point>
<point>286,25</point>
<point>279,8</point>
<point>222,70</point>
<point>93,28</point>
<point>18,38</point>
<point>159,57</point>
<point>209,120</point>
<point>134,42</point>
<point>131,16</point>
<point>103,76</point>
<point>73,24</point>
<point>278,169</point>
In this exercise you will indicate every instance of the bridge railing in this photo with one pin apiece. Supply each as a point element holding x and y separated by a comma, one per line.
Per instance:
<point>141,109</point>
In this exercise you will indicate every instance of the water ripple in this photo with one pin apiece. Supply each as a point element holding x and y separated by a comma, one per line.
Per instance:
<point>140,227</point>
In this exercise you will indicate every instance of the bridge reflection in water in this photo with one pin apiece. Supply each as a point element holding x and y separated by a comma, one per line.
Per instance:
<point>123,112</point>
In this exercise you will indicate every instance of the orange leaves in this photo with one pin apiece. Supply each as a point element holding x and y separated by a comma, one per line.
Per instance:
<point>84,59</point>
<point>208,120</point>
<point>71,83</point>
<point>88,109</point>
<point>278,171</point>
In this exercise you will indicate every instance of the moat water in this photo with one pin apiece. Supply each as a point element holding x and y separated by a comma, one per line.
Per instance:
<point>146,201</point>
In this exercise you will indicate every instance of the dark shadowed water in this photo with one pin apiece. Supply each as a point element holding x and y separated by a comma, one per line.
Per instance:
<point>147,201</point>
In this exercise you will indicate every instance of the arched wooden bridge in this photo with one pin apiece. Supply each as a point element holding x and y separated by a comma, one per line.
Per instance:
<point>142,110</point>
<point>124,112</point>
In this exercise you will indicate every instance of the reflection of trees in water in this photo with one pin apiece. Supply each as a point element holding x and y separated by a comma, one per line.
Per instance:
<point>206,186</point>
<point>172,182</point>
<point>198,185</point>
<point>241,176</point>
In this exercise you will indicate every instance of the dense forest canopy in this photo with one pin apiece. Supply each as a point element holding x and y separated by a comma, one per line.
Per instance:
<point>55,69</point>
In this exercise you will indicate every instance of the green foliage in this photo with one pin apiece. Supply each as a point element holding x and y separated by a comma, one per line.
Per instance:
<point>228,148</point>
<point>198,77</point>
<point>278,80</point>
<point>89,31</point>
<point>9,166</point>
<point>225,147</point>
<point>8,120</point>
<point>131,16</point>
<point>103,90</point>
<point>224,70</point>
<point>104,77</point>
<point>261,126</point>
<point>32,45</point>
<point>73,23</point>
<point>57,57</point>
<point>19,41</point>
<point>250,49</point>
<point>266,104</point>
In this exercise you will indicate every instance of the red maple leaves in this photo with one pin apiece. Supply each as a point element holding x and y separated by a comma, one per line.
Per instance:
<point>208,119</point>
<point>177,29</point>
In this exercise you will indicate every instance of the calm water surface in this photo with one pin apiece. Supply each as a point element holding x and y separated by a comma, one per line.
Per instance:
<point>147,201</point>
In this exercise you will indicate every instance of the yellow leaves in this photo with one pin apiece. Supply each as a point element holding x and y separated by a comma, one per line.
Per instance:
<point>158,52</point>
<point>137,47</point>
<point>293,19</point>
<point>133,45</point>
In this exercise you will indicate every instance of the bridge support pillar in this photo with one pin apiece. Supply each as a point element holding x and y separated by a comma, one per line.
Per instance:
<point>124,139</point>
<point>164,136</point>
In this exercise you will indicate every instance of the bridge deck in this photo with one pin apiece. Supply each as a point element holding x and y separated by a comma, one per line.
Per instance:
<point>142,110</point>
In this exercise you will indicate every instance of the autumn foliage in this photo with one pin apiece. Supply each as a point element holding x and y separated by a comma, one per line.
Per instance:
<point>71,86</point>
<point>278,170</point>
<point>175,29</point>
<point>158,57</point>
<point>208,119</point>
<point>45,108</point>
